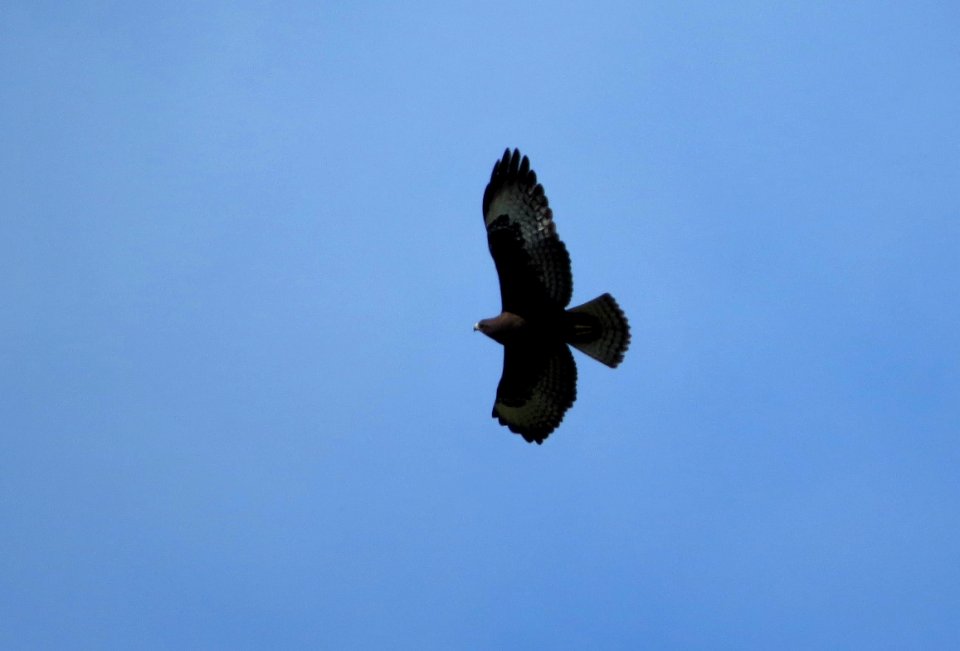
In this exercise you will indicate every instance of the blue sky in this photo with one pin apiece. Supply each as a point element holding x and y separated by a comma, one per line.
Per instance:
<point>241,253</point>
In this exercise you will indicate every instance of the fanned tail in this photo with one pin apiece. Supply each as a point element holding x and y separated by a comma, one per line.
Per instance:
<point>599,329</point>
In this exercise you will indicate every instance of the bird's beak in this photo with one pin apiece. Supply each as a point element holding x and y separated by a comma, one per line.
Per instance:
<point>476,326</point>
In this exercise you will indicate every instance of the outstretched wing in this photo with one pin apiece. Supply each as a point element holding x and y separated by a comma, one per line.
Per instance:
<point>539,384</point>
<point>532,262</point>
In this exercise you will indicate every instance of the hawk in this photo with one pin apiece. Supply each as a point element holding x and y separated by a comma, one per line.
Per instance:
<point>539,380</point>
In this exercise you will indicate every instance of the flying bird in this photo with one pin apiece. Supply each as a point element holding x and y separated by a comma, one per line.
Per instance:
<point>539,380</point>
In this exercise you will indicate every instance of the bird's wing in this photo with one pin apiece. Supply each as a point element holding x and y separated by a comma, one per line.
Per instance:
<point>538,386</point>
<point>532,262</point>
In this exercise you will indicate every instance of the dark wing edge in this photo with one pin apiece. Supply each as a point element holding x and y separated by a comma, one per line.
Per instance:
<point>538,386</point>
<point>522,236</point>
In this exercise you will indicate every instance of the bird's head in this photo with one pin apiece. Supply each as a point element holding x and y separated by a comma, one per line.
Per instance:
<point>490,327</point>
<point>501,328</point>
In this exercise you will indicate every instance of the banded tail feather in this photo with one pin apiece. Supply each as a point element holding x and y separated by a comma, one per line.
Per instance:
<point>599,329</point>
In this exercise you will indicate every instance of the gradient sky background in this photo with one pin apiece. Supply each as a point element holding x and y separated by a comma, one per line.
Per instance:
<point>241,254</point>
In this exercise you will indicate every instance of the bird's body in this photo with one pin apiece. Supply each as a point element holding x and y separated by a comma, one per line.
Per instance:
<point>539,378</point>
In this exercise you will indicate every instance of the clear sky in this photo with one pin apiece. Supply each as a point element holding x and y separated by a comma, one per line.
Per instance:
<point>241,254</point>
